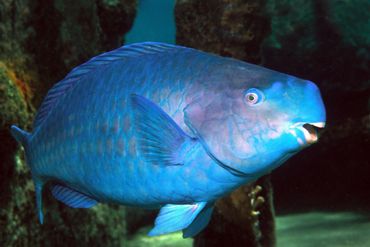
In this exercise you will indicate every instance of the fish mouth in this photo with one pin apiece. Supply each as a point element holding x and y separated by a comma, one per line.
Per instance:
<point>311,131</point>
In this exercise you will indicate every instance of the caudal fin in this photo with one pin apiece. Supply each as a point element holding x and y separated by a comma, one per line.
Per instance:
<point>20,135</point>
<point>23,138</point>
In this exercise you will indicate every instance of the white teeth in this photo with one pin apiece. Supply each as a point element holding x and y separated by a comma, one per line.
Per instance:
<point>318,124</point>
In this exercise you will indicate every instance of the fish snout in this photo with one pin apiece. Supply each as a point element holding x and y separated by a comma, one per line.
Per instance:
<point>310,112</point>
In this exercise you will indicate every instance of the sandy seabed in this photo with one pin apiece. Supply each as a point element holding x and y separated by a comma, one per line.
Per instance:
<point>329,229</point>
<point>309,229</point>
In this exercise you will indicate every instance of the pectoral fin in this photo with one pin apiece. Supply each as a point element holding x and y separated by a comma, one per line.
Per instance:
<point>161,141</point>
<point>200,222</point>
<point>173,217</point>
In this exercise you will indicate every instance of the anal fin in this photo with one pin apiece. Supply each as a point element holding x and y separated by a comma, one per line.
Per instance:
<point>72,197</point>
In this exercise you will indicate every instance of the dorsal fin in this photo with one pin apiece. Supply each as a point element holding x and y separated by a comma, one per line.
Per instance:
<point>65,85</point>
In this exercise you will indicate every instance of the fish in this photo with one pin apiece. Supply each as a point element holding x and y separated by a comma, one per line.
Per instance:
<point>162,126</point>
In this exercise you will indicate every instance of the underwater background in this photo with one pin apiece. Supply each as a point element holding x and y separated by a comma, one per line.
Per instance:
<point>320,197</point>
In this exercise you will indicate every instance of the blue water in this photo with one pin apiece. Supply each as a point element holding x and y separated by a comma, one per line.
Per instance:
<point>154,21</point>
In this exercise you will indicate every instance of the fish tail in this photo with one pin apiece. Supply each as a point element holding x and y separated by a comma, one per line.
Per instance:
<point>23,138</point>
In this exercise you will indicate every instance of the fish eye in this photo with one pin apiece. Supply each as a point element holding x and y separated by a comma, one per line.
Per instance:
<point>253,96</point>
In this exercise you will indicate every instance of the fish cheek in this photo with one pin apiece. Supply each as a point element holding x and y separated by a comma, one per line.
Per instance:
<point>194,115</point>
<point>210,107</point>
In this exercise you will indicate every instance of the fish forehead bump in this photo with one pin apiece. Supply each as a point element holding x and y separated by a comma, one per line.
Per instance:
<point>232,74</point>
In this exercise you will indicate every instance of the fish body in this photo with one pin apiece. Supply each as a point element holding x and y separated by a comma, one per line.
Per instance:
<point>157,125</point>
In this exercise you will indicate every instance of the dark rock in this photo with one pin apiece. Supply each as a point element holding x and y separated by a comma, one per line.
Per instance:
<point>327,42</point>
<point>136,218</point>
<point>244,218</point>
<point>116,18</point>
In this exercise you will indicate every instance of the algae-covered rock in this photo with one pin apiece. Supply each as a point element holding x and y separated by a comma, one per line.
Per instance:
<point>18,222</point>
<point>40,41</point>
<point>67,33</point>
<point>233,28</point>
<point>14,107</point>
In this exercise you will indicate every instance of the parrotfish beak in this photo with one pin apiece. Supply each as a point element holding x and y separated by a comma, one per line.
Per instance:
<point>311,112</point>
<point>306,133</point>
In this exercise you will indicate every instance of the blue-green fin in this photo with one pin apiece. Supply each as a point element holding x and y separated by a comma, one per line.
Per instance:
<point>78,73</point>
<point>38,190</point>
<point>174,217</point>
<point>72,197</point>
<point>200,222</point>
<point>161,141</point>
<point>20,135</point>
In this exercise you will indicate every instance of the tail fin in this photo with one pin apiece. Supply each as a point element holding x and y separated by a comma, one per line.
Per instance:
<point>23,137</point>
<point>20,135</point>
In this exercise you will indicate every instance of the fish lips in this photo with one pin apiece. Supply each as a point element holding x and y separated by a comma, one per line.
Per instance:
<point>307,133</point>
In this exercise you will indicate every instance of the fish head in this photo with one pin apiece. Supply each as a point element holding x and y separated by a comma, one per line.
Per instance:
<point>253,124</point>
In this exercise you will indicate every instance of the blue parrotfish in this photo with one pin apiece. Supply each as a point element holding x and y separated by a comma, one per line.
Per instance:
<point>155,125</point>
